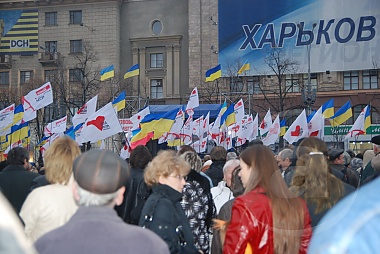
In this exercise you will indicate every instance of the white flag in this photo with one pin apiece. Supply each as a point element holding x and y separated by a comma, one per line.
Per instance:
<point>273,133</point>
<point>358,127</point>
<point>239,111</point>
<point>136,118</point>
<point>126,150</point>
<point>6,119</point>
<point>193,101</point>
<point>101,125</point>
<point>245,131</point>
<point>265,123</point>
<point>316,124</point>
<point>56,126</point>
<point>200,145</point>
<point>36,99</point>
<point>87,110</point>
<point>298,129</point>
<point>255,128</point>
<point>187,131</point>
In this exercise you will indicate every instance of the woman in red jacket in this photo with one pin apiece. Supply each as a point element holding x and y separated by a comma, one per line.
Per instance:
<point>267,218</point>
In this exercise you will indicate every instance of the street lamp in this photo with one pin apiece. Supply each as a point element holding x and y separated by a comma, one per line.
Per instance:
<point>308,95</point>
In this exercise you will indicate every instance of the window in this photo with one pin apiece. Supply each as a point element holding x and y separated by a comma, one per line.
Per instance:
<point>313,81</point>
<point>370,79</point>
<point>75,17</point>
<point>25,76</point>
<point>156,60</point>
<point>253,85</point>
<point>292,84</point>
<point>4,78</point>
<point>50,18</point>
<point>76,46</point>
<point>51,46</point>
<point>350,80</point>
<point>75,75</point>
<point>156,27</point>
<point>50,75</point>
<point>236,84</point>
<point>156,89</point>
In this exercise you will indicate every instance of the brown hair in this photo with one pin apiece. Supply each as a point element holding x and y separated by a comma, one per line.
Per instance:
<point>287,211</point>
<point>165,163</point>
<point>218,153</point>
<point>140,157</point>
<point>185,148</point>
<point>59,158</point>
<point>194,160</point>
<point>312,178</point>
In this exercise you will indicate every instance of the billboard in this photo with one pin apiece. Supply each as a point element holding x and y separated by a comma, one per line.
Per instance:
<point>20,34</point>
<point>338,35</point>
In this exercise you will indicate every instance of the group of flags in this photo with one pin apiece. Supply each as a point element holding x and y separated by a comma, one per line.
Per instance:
<point>216,72</point>
<point>232,127</point>
<point>109,72</point>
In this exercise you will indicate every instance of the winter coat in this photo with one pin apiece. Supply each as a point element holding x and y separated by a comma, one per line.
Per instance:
<point>199,208</point>
<point>15,183</point>
<point>47,208</point>
<point>215,172</point>
<point>247,211</point>
<point>163,214</point>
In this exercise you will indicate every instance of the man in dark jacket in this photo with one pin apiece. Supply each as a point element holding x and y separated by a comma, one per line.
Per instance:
<point>100,176</point>
<point>368,170</point>
<point>337,163</point>
<point>215,171</point>
<point>15,179</point>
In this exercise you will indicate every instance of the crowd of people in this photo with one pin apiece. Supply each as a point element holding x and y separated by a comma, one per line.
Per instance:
<point>307,198</point>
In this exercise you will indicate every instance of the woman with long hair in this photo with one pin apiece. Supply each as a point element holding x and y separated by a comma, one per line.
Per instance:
<point>267,217</point>
<point>314,181</point>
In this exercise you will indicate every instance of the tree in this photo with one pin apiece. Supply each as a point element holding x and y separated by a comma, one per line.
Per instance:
<point>274,87</point>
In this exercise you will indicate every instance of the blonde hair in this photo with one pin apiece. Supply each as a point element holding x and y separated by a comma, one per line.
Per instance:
<point>59,158</point>
<point>165,163</point>
<point>287,210</point>
<point>312,178</point>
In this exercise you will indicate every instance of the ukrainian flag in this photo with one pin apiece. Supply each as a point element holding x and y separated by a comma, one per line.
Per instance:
<point>153,126</point>
<point>246,67</point>
<point>367,118</point>
<point>18,132</point>
<point>328,108</point>
<point>107,73</point>
<point>283,127</point>
<point>342,115</point>
<point>119,102</point>
<point>228,116</point>
<point>133,71</point>
<point>213,73</point>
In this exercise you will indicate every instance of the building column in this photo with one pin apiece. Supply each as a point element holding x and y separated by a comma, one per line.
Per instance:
<point>169,84</point>
<point>143,79</point>
<point>176,70</point>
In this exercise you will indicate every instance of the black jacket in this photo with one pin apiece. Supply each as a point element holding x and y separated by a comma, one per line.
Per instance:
<point>215,172</point>
<point>15,183</point>
<point>164,215</point>
<point>136,193</point>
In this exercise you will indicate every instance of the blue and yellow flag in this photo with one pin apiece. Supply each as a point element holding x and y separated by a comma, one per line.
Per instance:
<point>246,67</point>
<point>133,71</point>
<point>228,116</point>
<point>328,108</point>
<point>283,127</point>
<point>342,115</point>
<point>18,132</point>
<point>119,102</point>
<point>213,73</point>
<point>367,117</point>
<point>107,73</point>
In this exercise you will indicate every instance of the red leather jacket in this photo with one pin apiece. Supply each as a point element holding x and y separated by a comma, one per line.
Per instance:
<point>252,223</point>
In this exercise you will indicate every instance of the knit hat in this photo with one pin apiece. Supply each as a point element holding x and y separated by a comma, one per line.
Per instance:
<point>100,171</point>
<point>356,163</point>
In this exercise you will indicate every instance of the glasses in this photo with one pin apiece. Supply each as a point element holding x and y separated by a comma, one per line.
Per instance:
<point>179,177</point>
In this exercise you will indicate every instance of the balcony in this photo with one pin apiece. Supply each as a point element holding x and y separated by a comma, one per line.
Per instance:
<point>49,58</point>
<point>5,62</point>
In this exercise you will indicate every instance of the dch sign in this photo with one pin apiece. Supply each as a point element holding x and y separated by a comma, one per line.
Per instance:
<point>20,43</point>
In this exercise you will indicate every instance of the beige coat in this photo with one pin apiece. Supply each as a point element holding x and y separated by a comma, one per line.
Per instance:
<point>47,208</point>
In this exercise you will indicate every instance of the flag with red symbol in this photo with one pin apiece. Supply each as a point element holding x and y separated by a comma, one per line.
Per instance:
<point>298,129</point>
